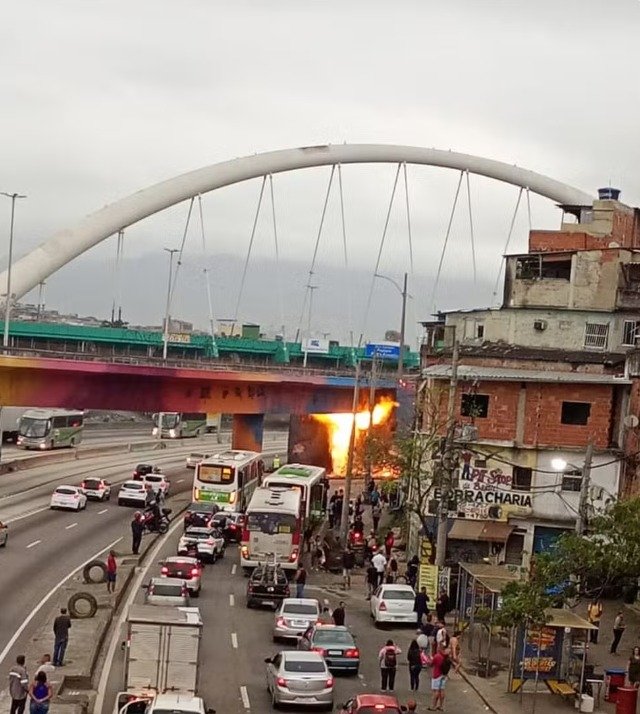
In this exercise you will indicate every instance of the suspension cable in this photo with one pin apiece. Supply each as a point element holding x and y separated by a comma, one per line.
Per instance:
<point>205,270</point>
<point>445,243</point>
<point>381,246</point>
<point>278,268</point>
<point>346,258</point>
<point>473,243</point>
<point>506,245</point>
<point>529,207</point>
<point>117,285</point>
<point>248,256</point>
<point>406,195</point>
<point>309,286</point>
<point>179,261</point>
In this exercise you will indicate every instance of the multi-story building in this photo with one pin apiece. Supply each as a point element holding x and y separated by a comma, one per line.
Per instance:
<point>539,379</point>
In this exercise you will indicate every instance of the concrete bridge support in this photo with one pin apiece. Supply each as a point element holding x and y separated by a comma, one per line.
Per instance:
<point>247,432</point>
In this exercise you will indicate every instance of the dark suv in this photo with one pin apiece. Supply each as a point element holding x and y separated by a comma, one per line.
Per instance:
<point>200,514</point>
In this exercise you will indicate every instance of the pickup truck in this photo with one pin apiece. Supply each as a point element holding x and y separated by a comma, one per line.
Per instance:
<point>268,585</point>
<point>150,703</point>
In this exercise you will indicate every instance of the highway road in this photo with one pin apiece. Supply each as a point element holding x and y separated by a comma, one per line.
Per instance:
<point>45,546</point>
<point>236,640</point>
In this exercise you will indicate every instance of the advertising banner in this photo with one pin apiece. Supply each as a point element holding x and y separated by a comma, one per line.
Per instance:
<point>538,650</point>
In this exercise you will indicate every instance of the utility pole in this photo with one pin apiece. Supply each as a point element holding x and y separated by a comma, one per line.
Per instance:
<point>344,520</point>
<point>372,401</point>
<point>311,288</point>
<point>7,304</point>
<point>581,518</point>
<point>447,461</point>
<point>403,320</point>
<point>165,334</point>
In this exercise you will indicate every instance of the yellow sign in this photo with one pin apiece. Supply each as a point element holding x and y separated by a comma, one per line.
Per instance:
<point>428,578</point>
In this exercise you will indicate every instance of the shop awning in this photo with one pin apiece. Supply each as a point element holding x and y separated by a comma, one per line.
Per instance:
<point>493,531</point>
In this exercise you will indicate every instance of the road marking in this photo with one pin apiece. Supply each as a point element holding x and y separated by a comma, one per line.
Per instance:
<point>26,515</point>
<point>70,526</point>
<point>47,597</point>
<point>233,568</point>
<point>180,480</point>
<point>234,640</point>
<point>232,599</point>
<point>35,542</point>
<point>104,510</point>
<point>245,698</point>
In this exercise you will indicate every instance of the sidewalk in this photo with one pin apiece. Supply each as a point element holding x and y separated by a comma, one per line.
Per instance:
<point>494,692</point>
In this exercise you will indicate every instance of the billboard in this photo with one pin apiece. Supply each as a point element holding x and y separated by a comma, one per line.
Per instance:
<point>538,650</point>
<point>385,350</point>
<point>315,346</point>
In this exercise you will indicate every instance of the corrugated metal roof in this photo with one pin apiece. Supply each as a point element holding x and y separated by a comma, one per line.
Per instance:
<point>505,374</point>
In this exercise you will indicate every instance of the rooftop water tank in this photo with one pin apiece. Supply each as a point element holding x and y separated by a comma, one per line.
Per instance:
<point>609,194</point>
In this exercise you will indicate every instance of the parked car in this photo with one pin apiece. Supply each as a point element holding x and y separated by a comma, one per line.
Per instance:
<point>295,616</point>
<point>204,543</point>
<point>141,470</point>
<point>393,603</point>
<point>336,644</point>
<point>372,703</point>
<point>69,498</point>
<point>184,568</point>
<point>299,678</point>
<point>96,488</point>
<point>200,513</point>
<point>135,493</point>
<point>267,586</point>
<point>167,591</point>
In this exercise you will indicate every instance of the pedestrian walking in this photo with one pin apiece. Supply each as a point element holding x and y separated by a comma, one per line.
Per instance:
<point>442,605</point>
<point>300,580</point>
<point>441,665</point>
<point>442,636</point>
<point>415,665</point>
<point>372,580</point>
<point>420,605</point>
<point>634,668</point>
<point>374,497</point>
<point>40,694</point>
<point>316,553</point>
<point>594,615</point>
<point>61,627</point>
<point>137,529</point>
<point>619,626</point>
<point>388,658</point>
<point>348,563</point>
<point>411,573</point>
<point>112,568</point>
<point>339,615</point>
<point>332,503</point>
<point>455,649</point>
<point>337,506</point>
<point>376,513</point>
<point>18,686</point>
<point>392,571</point>
<point>389,542</point>
<point>379,563</point>
<point>325,616</point>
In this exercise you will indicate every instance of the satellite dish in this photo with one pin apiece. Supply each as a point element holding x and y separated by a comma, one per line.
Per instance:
<point>631,421</point>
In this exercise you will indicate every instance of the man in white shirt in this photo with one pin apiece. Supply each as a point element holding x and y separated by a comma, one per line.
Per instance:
<point>379,563</point>
<point>46,666</point>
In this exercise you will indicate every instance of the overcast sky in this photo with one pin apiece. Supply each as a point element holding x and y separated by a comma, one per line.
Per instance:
<point>100,99</point>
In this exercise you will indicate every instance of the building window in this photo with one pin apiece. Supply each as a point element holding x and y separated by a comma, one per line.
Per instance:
<point>475,405</point>
<point>522,478</point>
<point>596,335</point>
<point>629,332</point>
<point>571,481</point>
<point>479,330</point>
<point>575,413</point>
<point>541,267</point>
<point>480,463</point>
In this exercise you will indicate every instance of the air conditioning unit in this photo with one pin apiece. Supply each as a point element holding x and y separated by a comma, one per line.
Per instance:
<point>466,432</point>
<point>540,325</point>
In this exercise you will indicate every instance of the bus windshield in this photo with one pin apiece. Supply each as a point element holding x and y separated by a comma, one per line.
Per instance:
<point>34,428</point>
<point>271,523</point>
<point>211,473</point>
<point>170,420</point>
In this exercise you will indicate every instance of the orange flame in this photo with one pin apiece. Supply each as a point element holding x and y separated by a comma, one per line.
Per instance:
<point>339,427</point>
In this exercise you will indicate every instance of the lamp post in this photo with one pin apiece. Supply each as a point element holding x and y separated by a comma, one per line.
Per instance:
<point>560,465</point>
<point>403,315</point>
<point>7,304</point>
<point>165,335</point>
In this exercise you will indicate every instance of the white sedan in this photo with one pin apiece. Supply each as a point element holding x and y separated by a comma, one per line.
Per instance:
<point>157,482</point>
<point>135,493</point>
<point>393,603</point>
<point>68,497</point>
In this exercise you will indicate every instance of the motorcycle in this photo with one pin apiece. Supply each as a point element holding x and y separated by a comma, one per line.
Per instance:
<point>356,543</point>
<point>153,524</point>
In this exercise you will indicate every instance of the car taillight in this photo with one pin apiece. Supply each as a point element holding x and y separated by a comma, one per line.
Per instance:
<point>352,653</point>
<point>294,556</point>
<point>281,682</point>
<point>280,622</point>
<point>379,706</point>
<point>357,536</point>
<point>195,571</point>
<point>320,650</point>
<point>83,485</point>
<point>164,571</point>
<point>232,526</point>
<point>382,606</point>
<point>329,682</point>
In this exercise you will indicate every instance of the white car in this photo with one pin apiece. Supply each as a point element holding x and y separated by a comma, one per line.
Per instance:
<point>68,497</point>
<point>4,534</point>
<point>194,459</point>
<point>393,603</point>
<point>135,493</point>
<point>207,543</point>
<point>96,488</point>
<point>157,482</point>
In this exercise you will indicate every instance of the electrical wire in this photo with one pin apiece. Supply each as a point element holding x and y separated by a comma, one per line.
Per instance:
<point>278,267</point>
<point>179,261</point>
<point>506,245</point>
<point>205,271</point>
<point>473,242</point>
<point>529,207</point>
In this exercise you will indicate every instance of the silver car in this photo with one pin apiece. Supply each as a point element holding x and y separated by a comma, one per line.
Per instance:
<point>194,459</point>
<point>300,678</point>
<point>294,617</point>
<point>167,591</point>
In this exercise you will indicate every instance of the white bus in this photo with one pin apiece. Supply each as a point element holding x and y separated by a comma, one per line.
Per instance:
<point>228,478</point>
<point>50,428</point>
<point>273,526</point>
<point>179,425</point>
<point>311,481</point>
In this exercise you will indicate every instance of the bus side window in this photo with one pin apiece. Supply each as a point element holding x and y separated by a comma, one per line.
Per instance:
<point>260,470</point>
<point>241,478</point>
<point>59,422</point>
<point>254,471</point>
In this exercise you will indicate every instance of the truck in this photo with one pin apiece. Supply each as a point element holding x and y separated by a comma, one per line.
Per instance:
<point>161,666</point>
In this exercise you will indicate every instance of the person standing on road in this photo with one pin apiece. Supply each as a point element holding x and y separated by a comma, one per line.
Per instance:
<point>442,606</point>
<point>388,657</point>
<point>379,562</point>
<point>376,513</point>
<point>339,615</point>
<point>634,668</point>
<point>420,605</point>
<point>594,615</point>
<point>389,542</point>
<point>372,580</point>
<point>348,563</point>
<point>300,580</point>
<point>619,626</point>
<point>112,568</point>
<point>415,665</point>
<point>18,686</point>
<point>337,508</point>
<point>61,627</point>
<point>137,529</point>
<point>40,693</point>
<point>45,665</point>
<point>332,503</point>
<point>441,665</point>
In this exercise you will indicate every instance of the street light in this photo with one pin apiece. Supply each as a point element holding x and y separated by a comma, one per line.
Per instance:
<point>560,464</point>
<point>403,316</point>
<point>7,305</point>
<point>165,335</point>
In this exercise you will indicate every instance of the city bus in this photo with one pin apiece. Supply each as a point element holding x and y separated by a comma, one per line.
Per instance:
<point>50,428</point>
<point>228,478</point>
<point>311,481</point>
<point>180,425</point>
<point>273,528</point>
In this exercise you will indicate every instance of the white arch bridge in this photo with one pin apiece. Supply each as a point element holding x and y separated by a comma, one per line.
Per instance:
<point>67,244</point>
